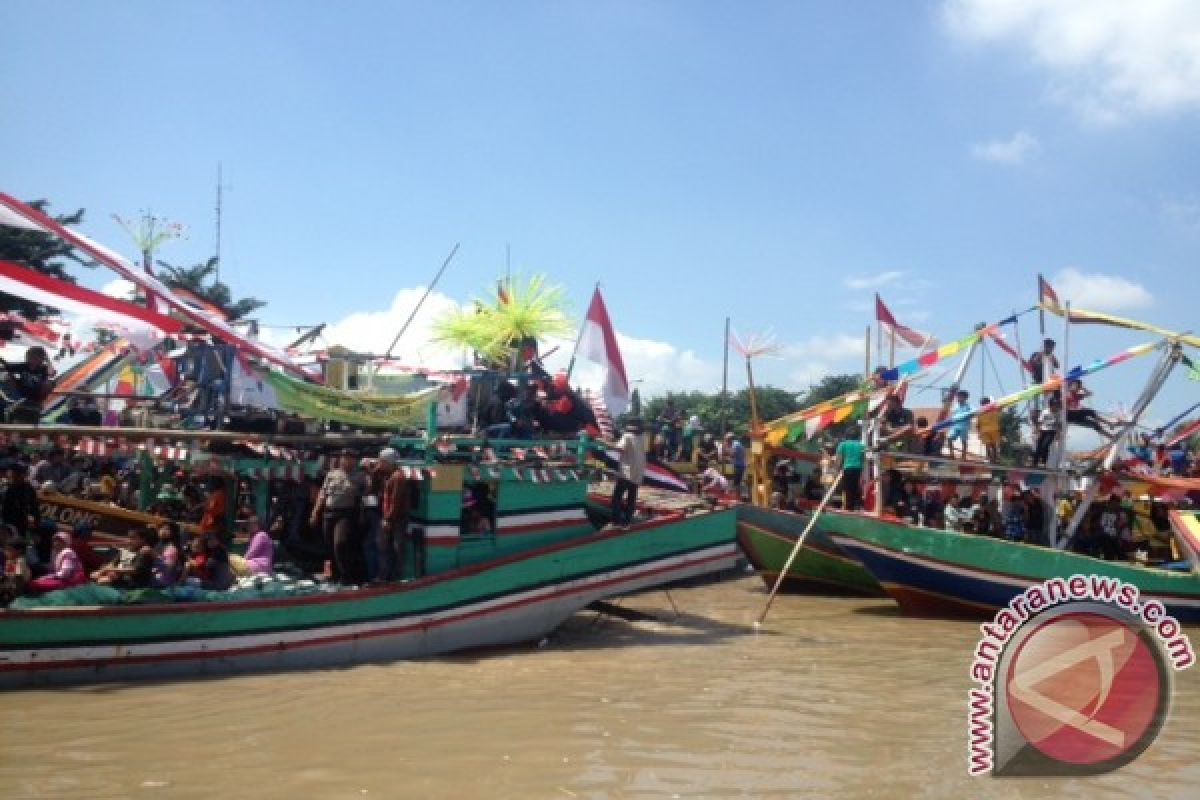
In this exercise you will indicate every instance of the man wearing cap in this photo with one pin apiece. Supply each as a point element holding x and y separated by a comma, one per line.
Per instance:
<point>337,510</point>
<point>629,476</point>
<point>393,535</point>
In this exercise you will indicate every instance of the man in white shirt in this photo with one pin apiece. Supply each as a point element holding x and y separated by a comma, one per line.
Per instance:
<point>632,469</point>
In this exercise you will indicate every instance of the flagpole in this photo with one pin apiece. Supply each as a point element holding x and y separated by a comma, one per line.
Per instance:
<point>579,338</point>
<point>725,382</point>
<point>892,349</point>
<point>867,366</point>
<point>1041,309</point>
<point>420,302</point>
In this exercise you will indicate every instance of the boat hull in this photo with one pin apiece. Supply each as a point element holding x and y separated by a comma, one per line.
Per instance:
<point>767,537</point>
<point>512,600</point>
<point>941,573</point>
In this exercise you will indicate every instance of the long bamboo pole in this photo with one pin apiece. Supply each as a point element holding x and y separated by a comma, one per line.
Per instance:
<point>833,487</point>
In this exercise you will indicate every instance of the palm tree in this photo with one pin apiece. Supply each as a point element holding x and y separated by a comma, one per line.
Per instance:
<point>196,278</point>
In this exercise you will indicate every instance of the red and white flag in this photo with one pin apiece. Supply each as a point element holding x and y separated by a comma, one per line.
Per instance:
<point>1047,297</point>
<point>887,321</point>
<point>17,214</point>
<point>40,288</point>
<point>598,343</point>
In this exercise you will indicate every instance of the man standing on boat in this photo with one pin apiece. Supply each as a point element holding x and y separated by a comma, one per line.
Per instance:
<point>849,455</point>
<point>20,501</point>
<point>393,537</point>
<point>337,511</point>
<point>632,469</point>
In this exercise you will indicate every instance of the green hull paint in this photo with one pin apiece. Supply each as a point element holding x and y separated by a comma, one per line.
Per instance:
<point>597,552</point>
<point>1005,557</point>
<point>767,537</point>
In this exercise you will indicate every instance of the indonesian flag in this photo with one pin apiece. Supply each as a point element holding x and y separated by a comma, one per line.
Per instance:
<point>15,213</point>
<point>134,321</point>
<point>913,338</point>
<point>598,343</point>
<point>1047,297</point>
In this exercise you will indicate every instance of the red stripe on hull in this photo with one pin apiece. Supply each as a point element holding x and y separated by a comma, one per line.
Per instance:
<point>400,628</point>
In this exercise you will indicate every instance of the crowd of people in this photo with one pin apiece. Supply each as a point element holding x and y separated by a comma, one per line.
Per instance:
<point>351,526</point>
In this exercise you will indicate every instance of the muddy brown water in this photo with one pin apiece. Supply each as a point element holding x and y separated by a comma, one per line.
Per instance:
<point>833,697</point>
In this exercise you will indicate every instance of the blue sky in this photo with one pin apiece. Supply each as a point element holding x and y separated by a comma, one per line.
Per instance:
<point>773,162</point>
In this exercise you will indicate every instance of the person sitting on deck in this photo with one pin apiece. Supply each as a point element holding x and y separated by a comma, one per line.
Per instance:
<point>1084,417</point>
<point>954,513</point>
<point>81,543</point>
<point>896,426</point>
<point>16,571</point>
<point>988,425</point>
<point>961,429</point>
<point>260,553</point>
<point>713,483</point>
<point>168,566</point>
<point>1014,519</point>
<point>474,520</point>
<point>564,411</point>
<point>1091,540</point>
<point>208,564</point>
<point>1039,361</point>
<point>140,572</point>
<point>31,380</point>
<point>67,570</point>
<point>926,441</point>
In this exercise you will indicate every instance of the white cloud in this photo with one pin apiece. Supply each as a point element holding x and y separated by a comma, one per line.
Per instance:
<point>1013,150</point>
<point>119,288</point>
<point>861,282</point>
<point>653,367</point>
<point>1098,292</point>
<point>1109,59</point>
<point>811,359</point>
<point>373,331</point>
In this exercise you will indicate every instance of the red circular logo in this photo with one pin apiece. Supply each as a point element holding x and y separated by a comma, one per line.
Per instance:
<point>1085,688</point>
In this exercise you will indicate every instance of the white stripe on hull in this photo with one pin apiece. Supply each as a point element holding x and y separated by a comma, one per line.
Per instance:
<point>1019,584</point>
<point>488,623</point>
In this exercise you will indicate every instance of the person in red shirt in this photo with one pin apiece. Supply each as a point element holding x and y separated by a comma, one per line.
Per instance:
<point>81,543</point>
<point>213,520</point>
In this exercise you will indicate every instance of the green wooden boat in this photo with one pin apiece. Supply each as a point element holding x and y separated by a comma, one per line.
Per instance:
<point>767,537</point>
<point>942,573</point>
<point>542,562</point>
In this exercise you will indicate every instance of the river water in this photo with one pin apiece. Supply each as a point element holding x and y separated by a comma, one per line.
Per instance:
<point>833,697</point>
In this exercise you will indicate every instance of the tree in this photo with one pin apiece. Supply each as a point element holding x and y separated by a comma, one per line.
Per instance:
<point>195,279</point>
<point>39,251</point>
<point>1013,448</point>
<point>772,402</point>
<point>829,387</point>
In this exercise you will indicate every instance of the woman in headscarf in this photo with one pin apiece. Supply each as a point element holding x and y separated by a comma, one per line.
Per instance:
<point>68,571</point>
<point>260,554</point>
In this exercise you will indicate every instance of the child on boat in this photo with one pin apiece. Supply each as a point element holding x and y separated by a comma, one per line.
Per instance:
<point>139,574</point>
<point>67,571</point>
<point>16,571</point>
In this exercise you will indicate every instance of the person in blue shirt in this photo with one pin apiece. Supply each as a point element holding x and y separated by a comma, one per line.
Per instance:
<point>737,459</point>
<point>961,429</point>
